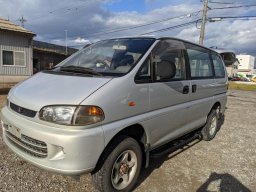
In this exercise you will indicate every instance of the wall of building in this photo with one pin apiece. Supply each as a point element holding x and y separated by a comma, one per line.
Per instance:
<point>246,64</point>
<point>14,41</point>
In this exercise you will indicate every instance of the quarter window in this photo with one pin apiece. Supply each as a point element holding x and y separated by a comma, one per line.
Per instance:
<point>144,73</point>
<point>200,63</point>
<point>13,58</point>
<point>218,66</point>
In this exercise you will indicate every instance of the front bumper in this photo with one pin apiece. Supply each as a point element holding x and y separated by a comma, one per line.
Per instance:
<point>65,151</point>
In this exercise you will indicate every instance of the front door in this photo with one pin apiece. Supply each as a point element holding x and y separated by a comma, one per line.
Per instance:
<point>169,95</point>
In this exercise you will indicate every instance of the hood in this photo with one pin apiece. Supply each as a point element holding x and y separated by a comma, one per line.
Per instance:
<point>51,89</point>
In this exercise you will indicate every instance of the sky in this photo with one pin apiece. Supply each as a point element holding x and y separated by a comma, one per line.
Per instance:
<point>92,20</point>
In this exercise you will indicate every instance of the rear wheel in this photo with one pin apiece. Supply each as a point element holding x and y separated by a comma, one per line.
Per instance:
<point>211,127</point>
<point>121,168</point>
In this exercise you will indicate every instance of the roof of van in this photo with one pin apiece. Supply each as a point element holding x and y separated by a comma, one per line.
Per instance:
<point>164,37</point>
<point>223,51</point>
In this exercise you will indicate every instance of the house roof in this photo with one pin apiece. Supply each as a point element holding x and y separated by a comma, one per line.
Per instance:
<point>48,47</point>
<point>9,26</point>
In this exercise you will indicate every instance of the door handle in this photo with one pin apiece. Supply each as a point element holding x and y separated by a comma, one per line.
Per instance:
<point>194,88</point>
<point>186,89</point>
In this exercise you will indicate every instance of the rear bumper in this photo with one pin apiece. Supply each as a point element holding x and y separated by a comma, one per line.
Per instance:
<point>70,152</point>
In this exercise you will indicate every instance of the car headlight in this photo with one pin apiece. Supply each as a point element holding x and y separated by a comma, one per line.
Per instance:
<point>72,115</point>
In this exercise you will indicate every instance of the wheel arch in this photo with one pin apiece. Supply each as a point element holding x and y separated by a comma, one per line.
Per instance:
<point>215,106</point>
<point>135,131</point>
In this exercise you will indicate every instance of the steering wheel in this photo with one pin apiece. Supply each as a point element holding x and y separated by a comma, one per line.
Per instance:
<point>104,64</point>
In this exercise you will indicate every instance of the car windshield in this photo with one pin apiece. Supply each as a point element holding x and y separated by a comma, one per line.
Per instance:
<point>113,57</point>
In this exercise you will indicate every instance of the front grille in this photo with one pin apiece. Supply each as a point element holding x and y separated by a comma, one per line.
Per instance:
<point>22,111</point>
<point>29,145</point>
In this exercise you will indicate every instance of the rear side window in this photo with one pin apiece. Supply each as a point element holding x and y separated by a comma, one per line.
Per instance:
<point>218,66</point>
<point>200,63</point>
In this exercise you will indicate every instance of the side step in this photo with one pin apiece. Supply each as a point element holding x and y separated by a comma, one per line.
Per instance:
<point>181,143</point>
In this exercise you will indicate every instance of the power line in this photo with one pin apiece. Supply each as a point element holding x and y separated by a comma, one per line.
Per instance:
<point>235,17</point>
<point>104,32</point>
<point>170,28</point>
<point>233,7</point>
<point>155,22</point>
<point>67,10</point>
<point>246,19</point>
<point>193,22</point>
<point>218,2</point>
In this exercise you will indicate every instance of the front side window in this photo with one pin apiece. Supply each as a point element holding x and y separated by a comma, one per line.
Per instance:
<point>200,63</point>
<point>114,57</point>
<point>218,66</point>
<point>169,61</point>
<point>13,58</point>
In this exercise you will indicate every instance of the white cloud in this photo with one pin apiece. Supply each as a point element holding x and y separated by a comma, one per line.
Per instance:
<point>80,40</point>
<point>48,19</point>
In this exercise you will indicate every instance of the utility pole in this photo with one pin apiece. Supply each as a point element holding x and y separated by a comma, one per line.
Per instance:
<point>66,32</point>
<point>22,20</point>
<point>201,40</point>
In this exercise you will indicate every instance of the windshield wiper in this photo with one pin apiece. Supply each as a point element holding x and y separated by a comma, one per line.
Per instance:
<point>78,69</point>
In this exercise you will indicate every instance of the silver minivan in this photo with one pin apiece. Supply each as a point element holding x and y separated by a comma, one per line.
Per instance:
<point>105,108</point>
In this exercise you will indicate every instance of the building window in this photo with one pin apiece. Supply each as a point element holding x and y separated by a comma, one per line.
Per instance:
<point>19,58</point>
<point>8,58</point>
<point>13,58</point>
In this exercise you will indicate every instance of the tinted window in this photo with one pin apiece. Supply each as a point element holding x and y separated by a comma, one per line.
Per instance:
<point>169,53</point>
<point>218,66</point>
<point>200,63</point>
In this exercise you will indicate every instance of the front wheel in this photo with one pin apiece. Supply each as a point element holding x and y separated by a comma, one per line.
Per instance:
<point>121,168</point>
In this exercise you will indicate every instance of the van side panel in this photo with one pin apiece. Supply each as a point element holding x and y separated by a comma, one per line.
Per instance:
<point>123,101</point>
<point>171,110</point>
<point>201,101</point>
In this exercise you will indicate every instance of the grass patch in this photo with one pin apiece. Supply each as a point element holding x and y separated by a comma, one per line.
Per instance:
<point>241,86</point>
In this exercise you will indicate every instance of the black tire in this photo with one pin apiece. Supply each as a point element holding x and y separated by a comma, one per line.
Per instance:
<point>208,132</point>
<point>103,176</point>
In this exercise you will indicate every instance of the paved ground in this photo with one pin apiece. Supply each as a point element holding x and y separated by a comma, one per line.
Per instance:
<point>226,164</point>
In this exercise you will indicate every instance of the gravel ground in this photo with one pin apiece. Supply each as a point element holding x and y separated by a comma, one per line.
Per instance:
<point>226,164</point>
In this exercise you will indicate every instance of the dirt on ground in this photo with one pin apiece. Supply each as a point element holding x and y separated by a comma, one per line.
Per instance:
<point>226,164</point>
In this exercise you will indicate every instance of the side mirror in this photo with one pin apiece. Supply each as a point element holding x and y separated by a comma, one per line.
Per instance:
<point>165,69</point>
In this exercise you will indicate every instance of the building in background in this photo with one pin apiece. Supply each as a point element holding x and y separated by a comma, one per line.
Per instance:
<point>15,53</point>
<point>47,55</point>
<point>21,56</point>
<point>247,64</point>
